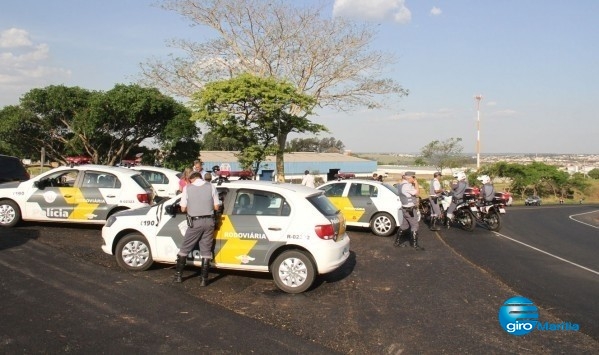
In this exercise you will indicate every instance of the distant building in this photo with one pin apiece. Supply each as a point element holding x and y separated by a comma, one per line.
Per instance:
<point>322,164</point>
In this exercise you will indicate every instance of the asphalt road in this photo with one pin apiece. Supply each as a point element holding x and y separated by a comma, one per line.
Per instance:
<point>548,254</point>
<point>60,292</point>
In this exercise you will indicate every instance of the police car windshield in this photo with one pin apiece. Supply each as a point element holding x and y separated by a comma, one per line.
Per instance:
<point>141,181</point>
<point>323,205</point>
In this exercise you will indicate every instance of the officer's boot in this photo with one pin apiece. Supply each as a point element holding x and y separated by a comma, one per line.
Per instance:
<point>414,241</point>
<point>398,237</point>
<point>181,261</point>
<point>434,226</point>
<point>204,272</point>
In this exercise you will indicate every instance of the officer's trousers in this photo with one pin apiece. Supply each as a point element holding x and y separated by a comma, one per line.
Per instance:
<point>201,232</point>
<point>410,219</point>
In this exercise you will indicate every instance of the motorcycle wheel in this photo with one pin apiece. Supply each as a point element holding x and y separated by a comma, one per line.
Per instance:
<point>493,220</point>
<point>425,211</point>
<point>466,220</point>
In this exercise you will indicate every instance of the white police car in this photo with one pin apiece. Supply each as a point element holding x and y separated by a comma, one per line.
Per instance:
<point>80,194</point>
<point>165,181</point>
<point>366,203</point>
<point>291,231</point>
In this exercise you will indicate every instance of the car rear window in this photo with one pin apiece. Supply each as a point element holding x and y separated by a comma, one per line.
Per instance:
<point>323,205</point>
<point>141,181</point>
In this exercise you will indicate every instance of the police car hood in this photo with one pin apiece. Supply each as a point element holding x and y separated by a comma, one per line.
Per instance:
<point>10,185</point>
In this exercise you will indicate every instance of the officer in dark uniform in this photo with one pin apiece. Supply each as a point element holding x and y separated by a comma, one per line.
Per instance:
<point>408,194</point>
<point>200,201</point>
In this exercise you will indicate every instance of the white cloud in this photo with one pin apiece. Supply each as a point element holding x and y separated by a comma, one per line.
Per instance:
<point>373,10</point>
<point>25,65</point>
<point>14,37</point>
<point>435,11</point>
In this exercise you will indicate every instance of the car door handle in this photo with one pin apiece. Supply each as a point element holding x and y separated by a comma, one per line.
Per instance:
<point>274,228</point>
<point>68,196</point>
<point>111,196</point>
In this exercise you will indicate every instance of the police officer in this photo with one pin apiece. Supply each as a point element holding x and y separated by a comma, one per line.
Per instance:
<point>435,192</point>
<point>487,191</point>
<point>408,195</point>
<point>458,191</point>
<point>200,201</point>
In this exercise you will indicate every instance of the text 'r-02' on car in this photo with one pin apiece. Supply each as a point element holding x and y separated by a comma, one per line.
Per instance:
<point>78,194</point>
<point>366,203</point>
<point>291,231</point>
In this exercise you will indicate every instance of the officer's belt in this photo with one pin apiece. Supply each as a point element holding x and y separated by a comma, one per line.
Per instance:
<point>200,217</point>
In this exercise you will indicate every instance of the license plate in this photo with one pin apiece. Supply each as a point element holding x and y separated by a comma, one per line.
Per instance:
<point>501,210</point>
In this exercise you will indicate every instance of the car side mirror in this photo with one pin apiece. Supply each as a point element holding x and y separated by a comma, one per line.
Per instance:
<point>173,209</point>
<point>41,184</point>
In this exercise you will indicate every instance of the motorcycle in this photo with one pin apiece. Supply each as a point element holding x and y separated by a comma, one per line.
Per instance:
<point>489,213</point>
<point>463,214</point>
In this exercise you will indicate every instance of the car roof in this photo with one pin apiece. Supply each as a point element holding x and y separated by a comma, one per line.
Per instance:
<point>103,168</point>
<point>271,186</point>
<point>368,181</point>
<point>154,168</point>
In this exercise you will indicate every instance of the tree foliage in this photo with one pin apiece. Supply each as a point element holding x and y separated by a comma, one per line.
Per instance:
<point>445,154</point>
<point>107,126</point>
<point>256,112</point>
<point>594,173</point>
<point>328,59</point>
<point>324,145</point>
<point>537,179</point>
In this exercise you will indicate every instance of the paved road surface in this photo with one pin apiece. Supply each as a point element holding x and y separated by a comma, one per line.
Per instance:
<point>55,303</point>
<point>384,300</point>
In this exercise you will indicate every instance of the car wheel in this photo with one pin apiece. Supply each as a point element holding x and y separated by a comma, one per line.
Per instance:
<point>293,271</point>
<point>10,214</point>
<point>133,253</point>
<point>382,224</point>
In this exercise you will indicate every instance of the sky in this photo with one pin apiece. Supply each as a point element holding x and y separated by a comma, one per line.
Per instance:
<point>535,63</point>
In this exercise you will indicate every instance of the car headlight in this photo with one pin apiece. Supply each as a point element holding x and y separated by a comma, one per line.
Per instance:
<point>110,221</point>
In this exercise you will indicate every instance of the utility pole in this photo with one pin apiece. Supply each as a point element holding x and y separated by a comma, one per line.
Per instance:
<point>478,98</point>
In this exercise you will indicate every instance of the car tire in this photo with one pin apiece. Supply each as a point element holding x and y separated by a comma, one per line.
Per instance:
<point>293,271</point>
<point>382,224</point>
<point>133,253</point>
<point>10,213</point>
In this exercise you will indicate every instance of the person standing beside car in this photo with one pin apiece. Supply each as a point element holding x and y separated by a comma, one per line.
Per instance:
<point>200,201</point>
<point>308,179</point>
<point>408,194</point>
<point>184,179</point>
<point>435,192</point>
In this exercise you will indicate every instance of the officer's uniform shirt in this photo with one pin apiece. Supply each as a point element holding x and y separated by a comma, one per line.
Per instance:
<point>185,197</point>
<point>407,193</point>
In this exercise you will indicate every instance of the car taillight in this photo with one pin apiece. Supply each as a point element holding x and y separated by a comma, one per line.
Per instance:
<point>143,198</point>
<point>325,231</point>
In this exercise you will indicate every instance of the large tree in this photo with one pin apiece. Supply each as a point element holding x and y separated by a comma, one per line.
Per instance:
<point>257,113</point>
<point>443,154</point>
<point>328,59</point>
<point>324,145</point>
<point>107,126</point>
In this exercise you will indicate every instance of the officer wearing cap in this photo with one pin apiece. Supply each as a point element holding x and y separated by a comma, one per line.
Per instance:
<point>435,192</point>
<point>200,201</point>
<point>408,195</point>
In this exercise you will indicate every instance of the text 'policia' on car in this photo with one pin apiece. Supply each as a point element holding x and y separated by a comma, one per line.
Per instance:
<point>78,194</point>
<point>292,231</point>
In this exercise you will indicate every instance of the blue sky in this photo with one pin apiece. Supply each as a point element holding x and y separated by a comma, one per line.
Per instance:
<point>536,64</point>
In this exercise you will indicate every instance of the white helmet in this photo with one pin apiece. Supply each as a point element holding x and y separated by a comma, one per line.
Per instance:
<point>460,175</point>
<point>485,179</point>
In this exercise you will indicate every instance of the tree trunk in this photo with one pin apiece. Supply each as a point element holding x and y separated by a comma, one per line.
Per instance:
<point>280,157</point>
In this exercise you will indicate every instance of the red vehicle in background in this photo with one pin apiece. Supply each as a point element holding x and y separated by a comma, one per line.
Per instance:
<point>78,160</point>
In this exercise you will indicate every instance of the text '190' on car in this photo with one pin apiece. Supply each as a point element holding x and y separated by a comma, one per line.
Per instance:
<point>366,203</point>
<point>291,231</point>
<point>77,194</point>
